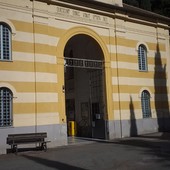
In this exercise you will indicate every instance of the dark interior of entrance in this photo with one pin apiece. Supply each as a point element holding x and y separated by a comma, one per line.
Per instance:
<point>84,87</point>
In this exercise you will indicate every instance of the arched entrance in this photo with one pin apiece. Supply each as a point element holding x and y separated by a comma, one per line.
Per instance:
<point>84,86</point>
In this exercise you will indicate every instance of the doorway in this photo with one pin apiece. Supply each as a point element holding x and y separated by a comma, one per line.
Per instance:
<point>84,86</point>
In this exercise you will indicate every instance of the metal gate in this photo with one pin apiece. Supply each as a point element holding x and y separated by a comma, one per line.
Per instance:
<point>96,96</point>
<point>97,103</point>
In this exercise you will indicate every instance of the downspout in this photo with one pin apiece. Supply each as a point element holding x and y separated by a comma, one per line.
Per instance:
<point>35,75</point>
<point>117,65</point>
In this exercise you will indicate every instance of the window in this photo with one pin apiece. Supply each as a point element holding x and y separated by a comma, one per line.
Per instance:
<point>142,58</point>
<point>5,42</point>
<point>6,97</point>
<point>145,99</point>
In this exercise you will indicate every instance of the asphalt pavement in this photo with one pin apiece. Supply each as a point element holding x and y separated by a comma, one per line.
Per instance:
<point>144,152</point>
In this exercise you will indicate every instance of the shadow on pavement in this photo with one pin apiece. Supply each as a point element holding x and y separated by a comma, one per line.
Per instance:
<point>156,145</point>
<point>53,164</point>
<point>164,136</point>
<point>153,145</point>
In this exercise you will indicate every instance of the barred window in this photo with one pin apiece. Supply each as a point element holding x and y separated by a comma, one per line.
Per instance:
<point>145,100</point>
<point>6,98</point>
<point>142,58</point>
<point>5,42</point>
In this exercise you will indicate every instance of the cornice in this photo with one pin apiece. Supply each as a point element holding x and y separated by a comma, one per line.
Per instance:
<point>114,11</point>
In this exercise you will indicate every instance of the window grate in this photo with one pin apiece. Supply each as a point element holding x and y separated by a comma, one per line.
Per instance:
<point>5,42</point>
<point>142,58</point>
<point>5,107</point>
<point>146,104</point>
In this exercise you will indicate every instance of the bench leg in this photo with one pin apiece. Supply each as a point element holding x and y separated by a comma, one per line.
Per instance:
<point>44,146</point>
<point>14,148</point>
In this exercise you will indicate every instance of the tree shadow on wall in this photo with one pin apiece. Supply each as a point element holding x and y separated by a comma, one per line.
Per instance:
<point>161,93</point>
<point>133,126</point>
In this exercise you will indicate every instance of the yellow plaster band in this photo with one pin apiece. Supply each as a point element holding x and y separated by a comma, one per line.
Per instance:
<point>30,86</point>
<point>29,48</point>
<point>20,108</point>
<point>130,89</point>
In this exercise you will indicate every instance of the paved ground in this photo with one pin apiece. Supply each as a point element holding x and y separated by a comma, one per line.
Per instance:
<point>137,153</point>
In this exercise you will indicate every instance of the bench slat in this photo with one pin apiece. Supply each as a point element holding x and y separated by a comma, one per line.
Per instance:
<point>28,134</point>
<point>30,137</point>
<point>24,140</point>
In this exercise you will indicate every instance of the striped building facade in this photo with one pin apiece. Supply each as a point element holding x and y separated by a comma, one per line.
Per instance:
<point>37,36</point>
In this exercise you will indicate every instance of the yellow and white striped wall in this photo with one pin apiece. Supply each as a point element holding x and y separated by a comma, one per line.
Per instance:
<point>36,73</point>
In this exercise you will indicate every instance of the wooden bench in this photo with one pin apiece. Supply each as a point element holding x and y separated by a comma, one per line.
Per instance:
<point>27,138</point>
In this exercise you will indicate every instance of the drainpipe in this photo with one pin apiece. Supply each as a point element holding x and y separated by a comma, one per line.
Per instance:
<point>35,76</point>
<point>117,65</point>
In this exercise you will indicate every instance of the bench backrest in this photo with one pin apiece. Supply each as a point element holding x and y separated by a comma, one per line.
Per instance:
<point>26,137</point>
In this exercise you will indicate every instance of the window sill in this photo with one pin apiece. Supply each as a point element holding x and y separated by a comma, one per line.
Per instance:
<point>145,71</point>
<point>6,60</point>
<point>147,117</point>
<point>6,127</point>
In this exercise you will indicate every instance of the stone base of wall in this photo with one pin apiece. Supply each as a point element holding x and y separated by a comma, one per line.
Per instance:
<point>128,128</point>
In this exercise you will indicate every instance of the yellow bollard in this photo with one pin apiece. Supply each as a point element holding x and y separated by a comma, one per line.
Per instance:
<point>72,128</point>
